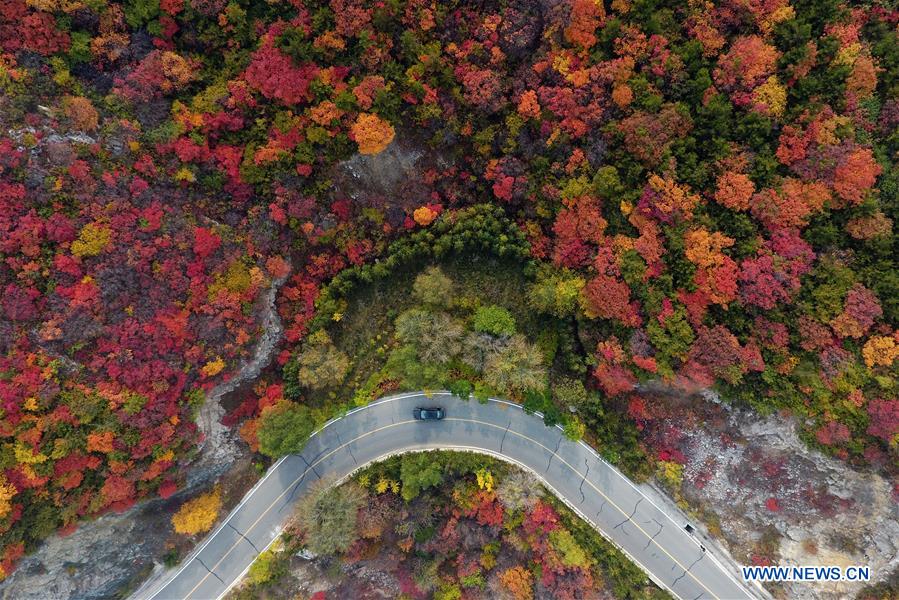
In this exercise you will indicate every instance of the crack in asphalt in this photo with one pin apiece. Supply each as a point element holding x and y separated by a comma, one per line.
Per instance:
<point>243,536</point>
<point>631,516</point>
<point>650,540</point>
<point>200,560</point>
<point>312,466</point>
<point>581,489</point>
<point>290,496</point>
<point>505,433</point>
<point>558,445</point>
<point>300,480</point>
<point>348,447</point>
<point>681,576</point>
<point>601,506</point>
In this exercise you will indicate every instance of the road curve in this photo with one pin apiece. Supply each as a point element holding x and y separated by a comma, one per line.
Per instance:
<point>599,493</point>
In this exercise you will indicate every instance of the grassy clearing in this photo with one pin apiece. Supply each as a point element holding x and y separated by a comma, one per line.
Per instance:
<point>365,329</point>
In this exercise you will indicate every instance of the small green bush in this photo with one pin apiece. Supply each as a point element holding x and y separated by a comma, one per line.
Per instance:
<point>494,320</point>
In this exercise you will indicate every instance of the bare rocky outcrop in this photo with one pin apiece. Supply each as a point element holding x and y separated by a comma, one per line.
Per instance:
<point>96,561</point>
<point>392,179</point>
<point>771,492</point>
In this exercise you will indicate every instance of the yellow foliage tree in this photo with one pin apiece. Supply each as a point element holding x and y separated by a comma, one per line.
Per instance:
<point>267,566</point>
<point>671,474</point>
<point>569,550</point>
<point>92,240</point>
<point>372,133</point>
<point>213,367</point>
<point>771,96</point>
<point>485,479</point>
<point>880,350</point>
<point>7,491</point>
<point>198,515</point>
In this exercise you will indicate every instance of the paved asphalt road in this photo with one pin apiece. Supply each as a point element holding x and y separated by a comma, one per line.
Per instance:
<point>656,541</point>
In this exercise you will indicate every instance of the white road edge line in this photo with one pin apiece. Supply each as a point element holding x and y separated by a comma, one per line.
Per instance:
<point>474,450</point>
<point>428,394</point>
<point>196,552</point>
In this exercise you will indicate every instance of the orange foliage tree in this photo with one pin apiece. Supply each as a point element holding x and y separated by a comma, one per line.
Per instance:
<point>586,16</point>
<point>424,215</point>
<point>528,105</point>
<point>855,175</point>
<point>704,248</point>
<point>734,191</point>
<point>371,133</point>
<point>518,581</point>
<point>81,113</point>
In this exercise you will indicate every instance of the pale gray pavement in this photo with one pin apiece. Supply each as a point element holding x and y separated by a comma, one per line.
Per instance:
<point>655,540</point>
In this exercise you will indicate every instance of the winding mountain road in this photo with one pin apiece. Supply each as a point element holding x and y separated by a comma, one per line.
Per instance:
<point>653,539</point>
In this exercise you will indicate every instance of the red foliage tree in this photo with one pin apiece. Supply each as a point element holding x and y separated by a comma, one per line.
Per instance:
<point>773,275</point>
<point>574,229</point>
<point>484,88</point>
<point>205,242</point>
<point>832,433</point>
<point>884,419</point>
<point>860,311</point>
<point>718,350</point>
<point>24,29</point>
<point>608,297</point>
<point>274,75</point>
<point>649,136</point>
<point>159,73</point>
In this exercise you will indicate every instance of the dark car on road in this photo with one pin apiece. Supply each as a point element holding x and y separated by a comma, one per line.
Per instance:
<point>433,413</point>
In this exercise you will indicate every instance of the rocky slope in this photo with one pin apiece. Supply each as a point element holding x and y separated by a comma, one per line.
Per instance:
<point>778,501</point>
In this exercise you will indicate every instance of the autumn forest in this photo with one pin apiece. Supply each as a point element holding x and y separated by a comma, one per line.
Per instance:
<point>698,194</point>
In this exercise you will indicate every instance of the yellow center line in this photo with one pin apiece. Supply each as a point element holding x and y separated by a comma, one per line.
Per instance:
<point>374,431</point>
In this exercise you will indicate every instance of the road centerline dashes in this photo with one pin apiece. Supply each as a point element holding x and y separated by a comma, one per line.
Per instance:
<point>537,443</point>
